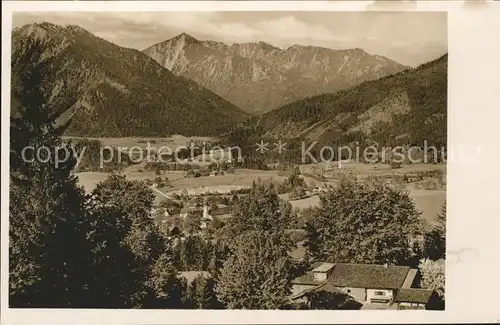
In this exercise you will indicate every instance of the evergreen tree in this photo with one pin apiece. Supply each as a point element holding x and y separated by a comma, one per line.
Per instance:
<point>193,254</point>
<point>258,273</point>
<point>169,291</point>
<point>201,294</point>
<point>46,212</point>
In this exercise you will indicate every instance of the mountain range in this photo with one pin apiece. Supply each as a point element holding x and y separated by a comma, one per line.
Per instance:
<point>191,87</point>
<point>259,77</point>
<point>105,90</point>
<point>409,107</point>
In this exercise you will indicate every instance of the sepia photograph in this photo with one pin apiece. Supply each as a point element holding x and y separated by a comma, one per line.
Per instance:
<point>229,160</point>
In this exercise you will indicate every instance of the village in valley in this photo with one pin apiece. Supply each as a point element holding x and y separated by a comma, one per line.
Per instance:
<point>194,173</point>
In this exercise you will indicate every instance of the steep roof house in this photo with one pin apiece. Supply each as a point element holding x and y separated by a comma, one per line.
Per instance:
<point>366,283</point>
<point>223,212</point>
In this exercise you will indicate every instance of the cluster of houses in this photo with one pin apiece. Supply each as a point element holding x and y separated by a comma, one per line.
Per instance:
<point>373,286</point>
<point>205,214</point>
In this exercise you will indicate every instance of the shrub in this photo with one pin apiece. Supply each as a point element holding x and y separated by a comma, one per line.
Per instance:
<point>297,236</point>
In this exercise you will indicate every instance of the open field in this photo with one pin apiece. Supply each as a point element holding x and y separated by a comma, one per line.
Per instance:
<point>427,201</point>
<point>332,169</point>
<point>172,142</point>
<point>241,177</point>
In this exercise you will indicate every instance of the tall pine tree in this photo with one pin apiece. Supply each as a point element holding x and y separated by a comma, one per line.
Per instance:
<point>47,244</point>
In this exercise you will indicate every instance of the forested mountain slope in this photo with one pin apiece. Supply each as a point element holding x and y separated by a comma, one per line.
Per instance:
<point>107,90</point>
<point>409,107</point>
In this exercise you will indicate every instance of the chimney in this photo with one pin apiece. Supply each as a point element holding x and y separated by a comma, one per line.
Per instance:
<point>323,271</point>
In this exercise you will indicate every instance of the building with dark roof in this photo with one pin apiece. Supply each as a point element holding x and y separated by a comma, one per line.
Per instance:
<point>416,298</point>
<point>366,283</point>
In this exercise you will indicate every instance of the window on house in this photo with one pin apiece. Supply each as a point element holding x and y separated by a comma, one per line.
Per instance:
<point>378,293</point>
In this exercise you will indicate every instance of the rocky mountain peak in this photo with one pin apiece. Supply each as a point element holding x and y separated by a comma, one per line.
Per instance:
<point>185,38</point>
<point>46,29</point>
<point>267,46</point>
<point>216,45</point>
<point>259,77</point>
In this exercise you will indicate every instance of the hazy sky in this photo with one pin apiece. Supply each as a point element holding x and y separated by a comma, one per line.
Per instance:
<point>410,38</point>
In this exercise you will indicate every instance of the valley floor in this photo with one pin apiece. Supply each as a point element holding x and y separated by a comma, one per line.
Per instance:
<point>428,201</point>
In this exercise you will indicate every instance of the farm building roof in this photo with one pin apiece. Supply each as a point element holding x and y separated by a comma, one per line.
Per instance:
<point>328,287</point>
<point>368,276</point>
<point>308,278</point>
<point>324,267</point>
<point>360,276</point>
<point>410,278</point>
<point>413,295</point>
<point>221,211</point>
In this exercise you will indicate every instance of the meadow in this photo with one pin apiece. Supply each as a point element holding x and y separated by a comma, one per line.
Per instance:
<point>427,201</point>
<point>172,142</point>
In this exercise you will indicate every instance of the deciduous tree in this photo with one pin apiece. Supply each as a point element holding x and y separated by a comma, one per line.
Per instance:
<point>323,299</point>
<point>363,223</point>
<point>192,223</point>
<point>258,273</point>
<point>261,210</point>
<point>433,275</point>
<point>125,206</point>
<point>169,291</point>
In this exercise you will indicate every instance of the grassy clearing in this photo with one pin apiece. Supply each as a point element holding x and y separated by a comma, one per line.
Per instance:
<point>241,177</point>
<point>175,141</point>
<point>332,170</point>
<point>427,201</point>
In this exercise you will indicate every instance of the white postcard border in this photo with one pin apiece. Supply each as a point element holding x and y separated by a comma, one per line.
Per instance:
<point>472,288</point>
